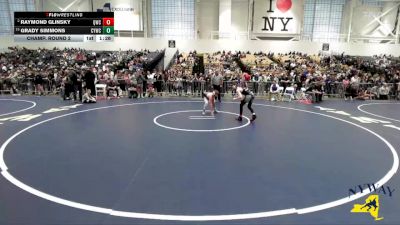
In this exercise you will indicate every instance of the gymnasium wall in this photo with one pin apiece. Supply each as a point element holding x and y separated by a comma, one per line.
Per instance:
<point>362,18</point>
<point>127,13</point>
<point>240,15</point>
<point>207,13</point>
<point>216,45</point>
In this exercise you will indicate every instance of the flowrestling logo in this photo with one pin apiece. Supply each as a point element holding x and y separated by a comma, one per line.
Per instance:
<point>273,20</point>
<point>108,8</point>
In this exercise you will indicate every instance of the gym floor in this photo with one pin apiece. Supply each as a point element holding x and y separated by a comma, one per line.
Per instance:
<point>159,161</point>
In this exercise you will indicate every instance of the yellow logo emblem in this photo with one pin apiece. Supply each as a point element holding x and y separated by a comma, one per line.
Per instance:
<point>371,206</point>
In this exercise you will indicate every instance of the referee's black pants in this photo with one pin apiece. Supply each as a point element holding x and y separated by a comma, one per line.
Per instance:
<point>218,88</point>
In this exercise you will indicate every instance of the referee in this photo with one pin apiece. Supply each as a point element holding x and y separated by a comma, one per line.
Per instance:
<point>216,81</point>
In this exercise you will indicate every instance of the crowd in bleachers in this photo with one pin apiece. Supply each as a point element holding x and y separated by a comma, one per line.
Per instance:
<point>180,73</point>
<point>71,71</point>
<point>377,76</point>
<point>339,75</point>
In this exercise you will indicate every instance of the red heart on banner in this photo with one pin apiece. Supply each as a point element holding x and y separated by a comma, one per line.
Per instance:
<point>284,5</point>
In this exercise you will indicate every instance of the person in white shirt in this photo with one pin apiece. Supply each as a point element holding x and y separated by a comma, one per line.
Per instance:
<point>263,83</point>
<point>274,90</point>
<point>88,98</point>
<point>384,92</point>
<point>354,84</point>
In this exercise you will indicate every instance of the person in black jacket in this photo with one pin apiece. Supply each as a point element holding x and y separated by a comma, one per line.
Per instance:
<point>76,84</point>
<point>67,87</point>
<point>111,85</point>
<point>38,80</point>
<point>89,79</point>
<point>159,83</point>
<point>316,90</point>
<point>145,77</point>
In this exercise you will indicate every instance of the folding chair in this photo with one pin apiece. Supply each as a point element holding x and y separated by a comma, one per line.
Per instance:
<point>288,95</point>
<point>101,91</point>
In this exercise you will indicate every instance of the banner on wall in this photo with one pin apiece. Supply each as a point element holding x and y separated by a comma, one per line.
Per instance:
<point>127,13</point>
<point>171,44</point>
<point>325,47</point>
<point>277,16</point>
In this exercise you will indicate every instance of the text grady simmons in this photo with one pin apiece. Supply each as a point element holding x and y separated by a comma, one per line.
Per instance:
<point>42,30</point>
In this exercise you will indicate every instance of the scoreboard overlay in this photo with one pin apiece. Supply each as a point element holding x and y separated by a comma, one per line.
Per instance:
<point>63,26</point>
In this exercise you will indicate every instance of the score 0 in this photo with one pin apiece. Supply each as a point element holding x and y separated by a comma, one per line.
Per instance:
<point>108,21</point>
<point>108,26</point>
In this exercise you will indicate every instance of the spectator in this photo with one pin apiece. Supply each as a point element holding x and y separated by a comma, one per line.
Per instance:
<point>364,95</point>
<point>383,92</point>
<point>274,91</point>
<point>159,83</point>
<point>145,76</point>
<point>68,87</point>
<point>140,80</point>
<point>89,79</point>
<point>88,98</point>
<point>112,86</point>
<point>76,87</point>
<point>39,84</point>
<point>315,90</point>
